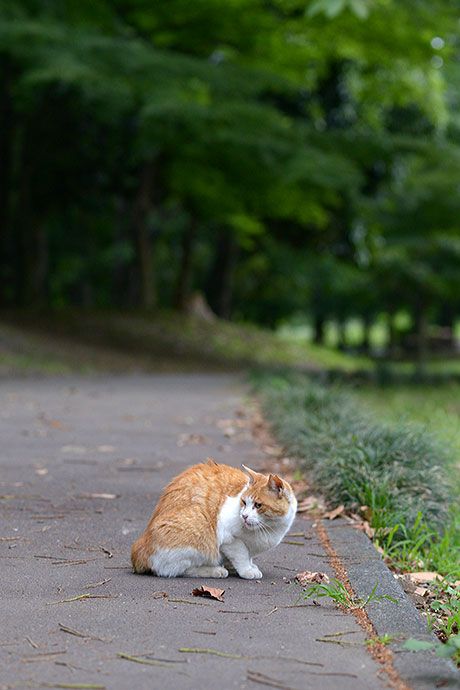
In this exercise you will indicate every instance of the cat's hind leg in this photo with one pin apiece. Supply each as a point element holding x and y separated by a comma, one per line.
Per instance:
<point>206,571</point>
<point>185,561</point>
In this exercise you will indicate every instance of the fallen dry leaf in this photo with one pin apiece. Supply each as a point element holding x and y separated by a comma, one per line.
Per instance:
<point>308,577</point>
<point>107,496</point>
<point>335,513</point>
<point>310,503</point>
<point>424,576</point>
<point>365,527</point>
<point>55,424</point>
<point>209,592</point>
<point>421,591</point>
<point>224,423</point>
<point>75,450</point>
<point>272,450</point>
<point>191,439</point>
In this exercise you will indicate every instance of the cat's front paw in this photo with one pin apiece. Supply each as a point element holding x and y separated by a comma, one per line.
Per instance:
<point>219,571</point>
<point>252,572</point>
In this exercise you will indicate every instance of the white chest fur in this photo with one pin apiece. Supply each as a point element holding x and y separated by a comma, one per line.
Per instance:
<point>258,538</point>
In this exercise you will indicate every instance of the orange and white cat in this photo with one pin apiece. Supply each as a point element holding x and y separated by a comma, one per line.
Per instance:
<point>211,512</point>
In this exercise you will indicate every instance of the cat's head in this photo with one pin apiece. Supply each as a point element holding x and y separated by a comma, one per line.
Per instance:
<point>265,499</point>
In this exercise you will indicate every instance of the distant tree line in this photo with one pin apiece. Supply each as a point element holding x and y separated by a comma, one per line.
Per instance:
<point>281,157</point>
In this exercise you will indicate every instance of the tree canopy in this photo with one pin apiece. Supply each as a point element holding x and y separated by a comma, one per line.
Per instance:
<point>289,156</point>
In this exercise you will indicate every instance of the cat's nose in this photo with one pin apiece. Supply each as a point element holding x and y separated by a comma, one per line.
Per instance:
<point>244,516</point>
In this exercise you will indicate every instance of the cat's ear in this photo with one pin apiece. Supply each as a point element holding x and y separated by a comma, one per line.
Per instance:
<point>252,475</point>
<point>276,485</point>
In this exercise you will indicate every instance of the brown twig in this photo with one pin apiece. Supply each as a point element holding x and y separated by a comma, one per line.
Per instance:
<point>266,680</point>
<point>331,673</point>
<point>239,612</point>
<point>213,651</point>
<point>325,639</point>
<point>70,686</point>
<point>77,561</point>
<point>42,656</point>
<point>295,543</point>
<point>298,661</point>
<point>187,601</point>
<point>345,632</point>
<point>98,584</point>
<point>204,632</point>
<point>64,601</point>
<point>138,660</point>
<point>106,551</point>
<point>291,606</point>
<point>71,631</point>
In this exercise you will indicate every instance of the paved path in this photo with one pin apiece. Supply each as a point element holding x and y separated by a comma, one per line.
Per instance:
<point>82,463</point>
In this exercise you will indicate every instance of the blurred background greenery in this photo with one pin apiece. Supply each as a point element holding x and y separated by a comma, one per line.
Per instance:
<point>293,164</point>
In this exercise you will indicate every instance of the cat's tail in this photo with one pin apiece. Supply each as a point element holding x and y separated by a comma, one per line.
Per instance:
<point>140,556</point>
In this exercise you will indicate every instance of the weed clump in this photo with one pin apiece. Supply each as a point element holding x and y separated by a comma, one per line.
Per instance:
<point>398,471</point>
<point>403,475</point>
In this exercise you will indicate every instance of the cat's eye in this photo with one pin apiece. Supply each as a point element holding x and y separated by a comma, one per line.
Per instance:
<point>243,501</point>
<point>257,506</point>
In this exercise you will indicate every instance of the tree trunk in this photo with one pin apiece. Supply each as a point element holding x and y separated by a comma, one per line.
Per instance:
<point>366,344</point>
<point>342,331</point>
<point>319,324</point>
<point>220,286</point>
<point>184,278</point>
<point>142,236</point>
<point>21,225</point>
<point>40,266</point>
<point>392,337</point>
<point>421,334</point>
<point>6,138</point>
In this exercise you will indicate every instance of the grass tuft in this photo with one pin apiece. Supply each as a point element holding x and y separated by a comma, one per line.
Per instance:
<point>400,472</point>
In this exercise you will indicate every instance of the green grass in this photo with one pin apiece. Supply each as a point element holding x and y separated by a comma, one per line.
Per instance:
<point>337,591</point>
<point>436,408</point>
<point>405,476</point>
<point>90,340</point>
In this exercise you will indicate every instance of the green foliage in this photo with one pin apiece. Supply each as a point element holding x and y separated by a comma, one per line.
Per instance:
<point>401,477</point>
<point>450,649</point>
<point>445,618</point>
<point>322,136</point>
<point>449,606</point>
<point>337,591</point>
<point>354,460</point>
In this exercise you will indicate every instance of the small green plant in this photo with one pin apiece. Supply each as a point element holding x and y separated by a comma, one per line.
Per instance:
<point>448,608</point>
<point>336,591</point>
<point>450,649</point>
<point>384,639</point>
<point>446,623</point>
<point>407,547</point>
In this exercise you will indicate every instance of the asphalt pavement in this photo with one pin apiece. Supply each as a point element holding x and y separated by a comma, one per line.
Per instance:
<point>82,464</point>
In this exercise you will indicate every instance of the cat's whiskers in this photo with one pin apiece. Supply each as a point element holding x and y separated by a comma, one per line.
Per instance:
<point>266,529</point>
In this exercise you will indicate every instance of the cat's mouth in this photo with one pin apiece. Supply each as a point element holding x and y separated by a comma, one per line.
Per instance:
<point>249,525</point>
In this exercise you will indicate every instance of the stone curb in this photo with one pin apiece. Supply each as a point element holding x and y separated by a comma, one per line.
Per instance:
<point>365,567</point>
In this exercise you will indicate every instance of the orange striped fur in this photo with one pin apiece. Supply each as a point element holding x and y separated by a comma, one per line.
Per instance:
<point>202,515</point>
